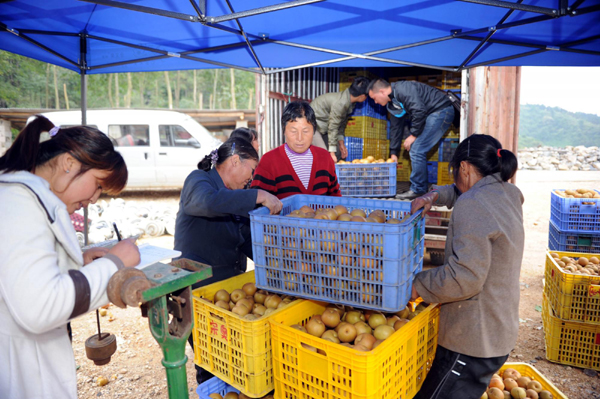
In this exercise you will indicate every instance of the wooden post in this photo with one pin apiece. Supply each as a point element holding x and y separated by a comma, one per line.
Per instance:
<point>116,90</point>
<point>47,84</point>
<point>232,84</point>
<point>177,89</point>
<point>142,81</point>
<point>201,101</point>
<point>110,97</point>
<point>195,87</point>
<point>250,95</point>
<point>214,93</point>
<point>169,94</point>
<point>56,99</point>
<point>129,91</point>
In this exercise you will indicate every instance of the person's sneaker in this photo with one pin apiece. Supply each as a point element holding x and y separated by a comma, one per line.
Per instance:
<point>409,195</point>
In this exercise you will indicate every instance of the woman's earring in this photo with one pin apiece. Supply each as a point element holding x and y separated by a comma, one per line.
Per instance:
<point>67,171</point>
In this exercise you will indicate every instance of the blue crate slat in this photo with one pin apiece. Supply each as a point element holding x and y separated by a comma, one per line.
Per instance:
<point>367,265</point>
<point>355,148</point>
<point>573,242</point>
<point>432,172</point>
<point>214,385</point>
<point>576,215</point>
<point>369,108</point>
<point>367,180</point>
<point>447,149</point>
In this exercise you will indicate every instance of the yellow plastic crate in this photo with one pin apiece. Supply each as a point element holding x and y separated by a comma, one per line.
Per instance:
<point>444,177</point>
<point>527,370</point>
<point>344,85</point>
<point>395,369</point>
<point>403,170</point>
<point>452,133</point>
<point>433,154</point>
<point>366,127</point>
<point>570,342</point>
<point>237,351</point>
<point>380,149</point>
<point>573,297</point>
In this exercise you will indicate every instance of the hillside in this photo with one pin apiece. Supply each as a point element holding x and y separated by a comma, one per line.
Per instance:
<point>556,127</point>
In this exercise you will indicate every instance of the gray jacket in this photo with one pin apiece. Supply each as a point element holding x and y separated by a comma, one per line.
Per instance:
<point>478,285</point>
<point>332,111</point>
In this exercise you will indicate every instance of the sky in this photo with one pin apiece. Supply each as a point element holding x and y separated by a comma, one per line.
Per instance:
<point>576,89</point>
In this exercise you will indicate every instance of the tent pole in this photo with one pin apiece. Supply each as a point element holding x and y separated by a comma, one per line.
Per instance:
<point>83,89</point>
<point>261,10</point>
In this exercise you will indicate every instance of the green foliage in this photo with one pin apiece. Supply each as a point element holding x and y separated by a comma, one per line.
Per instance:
<point>553,126</point>
<point>27,83</point>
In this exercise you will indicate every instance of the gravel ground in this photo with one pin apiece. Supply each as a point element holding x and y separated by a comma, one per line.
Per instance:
<point>136,371</point>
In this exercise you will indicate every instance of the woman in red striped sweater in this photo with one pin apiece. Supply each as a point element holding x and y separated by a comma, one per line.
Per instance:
<point>297,167</point>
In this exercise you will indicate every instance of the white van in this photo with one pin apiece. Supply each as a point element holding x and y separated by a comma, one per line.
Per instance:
<point>160,148</point>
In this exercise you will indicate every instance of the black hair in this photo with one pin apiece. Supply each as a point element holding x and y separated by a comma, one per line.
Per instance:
<point>359,86</point>
<point>88,145</point>
<point>298,109</point>
<point>244,133</point>
<point>378,84</point>
<point>242,147</point>
<point>485,153</point>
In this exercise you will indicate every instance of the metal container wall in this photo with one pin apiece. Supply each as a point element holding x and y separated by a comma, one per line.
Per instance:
<point>276,90</point>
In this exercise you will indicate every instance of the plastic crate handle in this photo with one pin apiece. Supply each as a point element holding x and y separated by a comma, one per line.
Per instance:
<point>584,241</point>
<point>587,209</point>
<point>417,235</point>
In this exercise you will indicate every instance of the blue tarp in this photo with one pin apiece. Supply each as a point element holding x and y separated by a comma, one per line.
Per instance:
<point>342,32</point>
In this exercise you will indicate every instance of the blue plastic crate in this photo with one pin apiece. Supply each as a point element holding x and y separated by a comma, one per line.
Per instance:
<point>214,385</point>
<point>573,242</point>
<point>432,172</point>
<point>576,215</point>
<point>367,265</point>
<point>369,108</point>
<point>447,149</point>
<point>354,145</point>
<point>367,180</point>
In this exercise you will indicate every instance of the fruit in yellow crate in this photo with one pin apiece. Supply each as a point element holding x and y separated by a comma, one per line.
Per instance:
<point>376,320</point>
<point>583,261</point>
<point>309,347</point>
<point>518,393</point>
<point>383,331</point>
<point>594,260</point>
<point>272,301</point>
<point>240,310</point>
<point>363,328</point>
<point>315,327</point>
<point>532,394</point>
<point>259,309</point>
<point>509,384</point>
<point>358,212</point>
<point>331,318</point>
<point>403,314</point>
<point>260,296</point>
<point>223,305</point>
<point>392,320</point>
<point>331,335</point>
<point>484,396</point>
<point>215,396</point>
<point>377,343</point>
<point>340,209</point>
<point>298,327</point>
<point>497,383</point>
<point>545,394</point>
<point>495,393</point>
<point>251,317</point>
<point>249,288</point>
<point>246,302</point>
<point>341,309</point>
<point>222,295</point>
<point>366,340</point>
<point>231,305</point>
<point>361,348</point>
<point>354,316</point>
<point>523,381</point>
<point>392,221</point>
<point>535,385</point>
<point>506,394</point>
<point>346,332</point>
<point>511,373</point>
<point>236,295</point>
<point>400,323</point>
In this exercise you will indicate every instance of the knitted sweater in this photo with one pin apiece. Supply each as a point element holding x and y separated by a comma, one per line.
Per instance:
<point>276,174</point>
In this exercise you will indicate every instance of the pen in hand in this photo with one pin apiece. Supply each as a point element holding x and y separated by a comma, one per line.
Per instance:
<point>117,231</point>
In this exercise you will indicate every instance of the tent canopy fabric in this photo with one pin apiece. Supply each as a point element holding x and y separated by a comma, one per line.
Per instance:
<point>105,36</point>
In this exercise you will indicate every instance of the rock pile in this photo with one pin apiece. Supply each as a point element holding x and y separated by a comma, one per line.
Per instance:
<point>552,158</point>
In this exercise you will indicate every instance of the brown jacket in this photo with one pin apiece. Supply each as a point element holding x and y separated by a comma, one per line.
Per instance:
<point>478,285</point>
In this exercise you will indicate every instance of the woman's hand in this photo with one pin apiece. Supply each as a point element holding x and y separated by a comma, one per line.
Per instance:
<point>93,254</point>
<point>127,251</point>
<point>425,201</point>
<point>270,201</point>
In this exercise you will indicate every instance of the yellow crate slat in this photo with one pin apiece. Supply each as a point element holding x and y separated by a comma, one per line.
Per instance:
<point>238,351</point>
<point>570,342</point>
<point>573,297</point>
<point>395,369</point>
<point>366,127</point>
<point>527,370</point>
<point>444,177</point>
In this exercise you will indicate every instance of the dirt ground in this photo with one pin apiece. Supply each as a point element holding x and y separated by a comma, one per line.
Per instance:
<point>135,370</point>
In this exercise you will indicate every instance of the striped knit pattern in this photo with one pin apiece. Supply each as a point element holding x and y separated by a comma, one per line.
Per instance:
<point>276,174</point>
<point>302,164</point>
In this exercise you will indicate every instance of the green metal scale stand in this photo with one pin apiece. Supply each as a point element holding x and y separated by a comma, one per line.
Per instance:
<point>165,297</point>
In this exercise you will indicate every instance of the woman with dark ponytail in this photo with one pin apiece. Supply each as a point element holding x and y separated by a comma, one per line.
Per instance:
<point>212,224</point>
<point>480,275</point>
<point>46,175</point>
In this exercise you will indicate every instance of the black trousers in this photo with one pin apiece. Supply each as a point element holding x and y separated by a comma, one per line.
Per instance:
<point>457,376</point>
